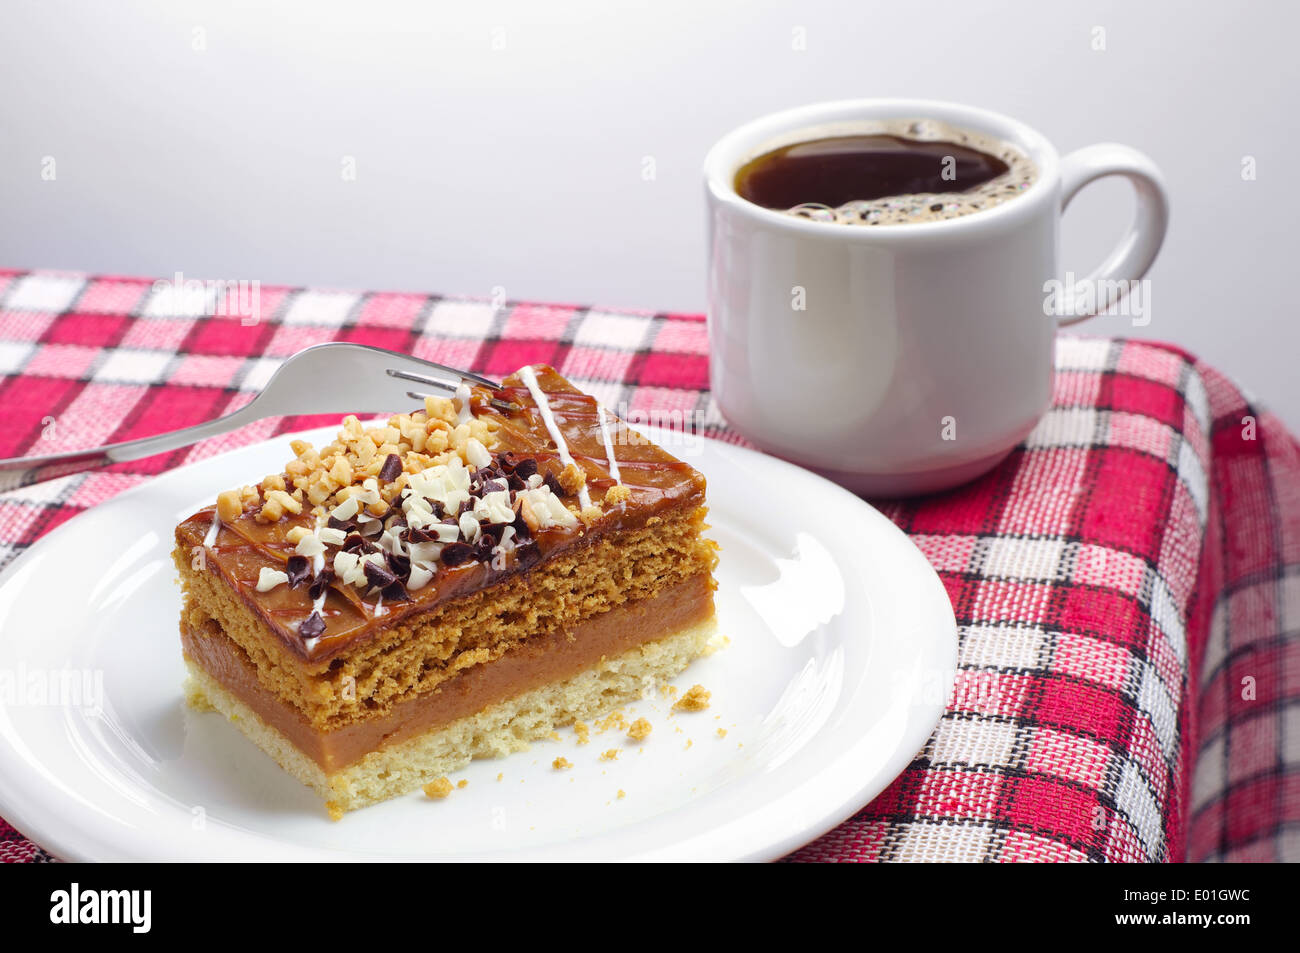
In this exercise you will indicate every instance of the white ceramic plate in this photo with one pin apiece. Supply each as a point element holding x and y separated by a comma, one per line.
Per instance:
<point>842,652</point>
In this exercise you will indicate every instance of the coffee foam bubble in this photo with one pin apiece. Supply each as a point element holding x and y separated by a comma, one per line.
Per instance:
<point>931,206</point>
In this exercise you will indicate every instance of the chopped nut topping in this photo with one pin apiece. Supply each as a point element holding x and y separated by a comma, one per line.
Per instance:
<point>696,699</point>
<point>407,443</point>
<point>229,505</point>
<point>573,478</point>
<point>285,500</point>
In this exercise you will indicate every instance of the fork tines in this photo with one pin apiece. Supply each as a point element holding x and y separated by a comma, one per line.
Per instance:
<point>448,386</point>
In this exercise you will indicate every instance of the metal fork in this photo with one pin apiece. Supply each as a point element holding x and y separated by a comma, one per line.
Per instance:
<point>336,378</point>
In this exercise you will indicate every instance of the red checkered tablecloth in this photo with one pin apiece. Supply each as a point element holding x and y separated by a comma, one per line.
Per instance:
<point>1127,583</point>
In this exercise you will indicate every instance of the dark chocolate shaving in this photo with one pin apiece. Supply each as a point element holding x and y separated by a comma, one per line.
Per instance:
<point>525,468</point>
<point>399,564</point>
<point>418,535</point>
<point>453,554</point>
<point>312,627</point>
<point>391,469</point>
<point>320,583</point>
<point>379,576</point>
<point>348,526</point>
<point>553,482</point>
<point>298,570</point>
<point>465,507</point>
<point>356,543</point>
<point>483,548</point>
<point>396,592</point>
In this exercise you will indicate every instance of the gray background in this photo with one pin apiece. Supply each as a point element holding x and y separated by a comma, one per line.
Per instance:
<point>522,167</point>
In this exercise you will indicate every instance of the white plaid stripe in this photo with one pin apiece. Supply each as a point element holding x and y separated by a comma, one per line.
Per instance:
<point>328,308</point>
<point>624,332</point>
<point>43,293</point>
<point>928,842</point>
<point>134,367</point>
<point>15,354</point>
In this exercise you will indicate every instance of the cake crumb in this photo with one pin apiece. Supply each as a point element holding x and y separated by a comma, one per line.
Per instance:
<point>610,755</point>
<point>689,744</point>
<point>554,736</point>
<point>640,729</point>
<point>336,812</point>
<point>572,478</point>
<point>615,719</point>
<point>695,699</point>
<point>559,764</point>
<point>621,794</point>
<point>501,775</point>
<point>461,783</point>
<point>722,732</point>
<point>669,690</point>
<point>590,514</point>
<point>582,731</point>
<point>618,493</point>
<point>438,789</point>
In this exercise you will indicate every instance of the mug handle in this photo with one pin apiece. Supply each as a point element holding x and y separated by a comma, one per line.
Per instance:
<point>1134,254</point>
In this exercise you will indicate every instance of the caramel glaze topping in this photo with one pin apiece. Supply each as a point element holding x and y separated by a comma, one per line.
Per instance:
<point>657,482</point>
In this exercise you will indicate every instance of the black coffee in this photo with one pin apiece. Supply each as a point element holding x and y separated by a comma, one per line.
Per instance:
<point>901,172</point>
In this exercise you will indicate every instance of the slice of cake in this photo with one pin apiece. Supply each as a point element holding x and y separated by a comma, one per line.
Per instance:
<point>452,585</point>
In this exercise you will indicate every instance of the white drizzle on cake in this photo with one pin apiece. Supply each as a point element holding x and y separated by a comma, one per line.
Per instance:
<point>529,377</point>
<point>609,444</point>
<point>210,540</point>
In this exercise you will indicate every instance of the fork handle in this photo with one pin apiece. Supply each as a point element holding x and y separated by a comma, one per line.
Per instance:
<point>24,471</point>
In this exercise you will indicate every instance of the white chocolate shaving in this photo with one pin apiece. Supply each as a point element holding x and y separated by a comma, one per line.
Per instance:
<point>420,576</point>
<point>310,546</point>
<point>347,509</point>
<point>330,536</point>
<point>476,453</point>
<point>268,578</point>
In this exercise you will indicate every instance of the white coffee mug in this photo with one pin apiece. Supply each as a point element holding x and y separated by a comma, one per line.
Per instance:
<point>909,358</point>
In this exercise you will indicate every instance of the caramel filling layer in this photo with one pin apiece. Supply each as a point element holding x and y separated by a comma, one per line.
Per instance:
<point>538,661</point>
